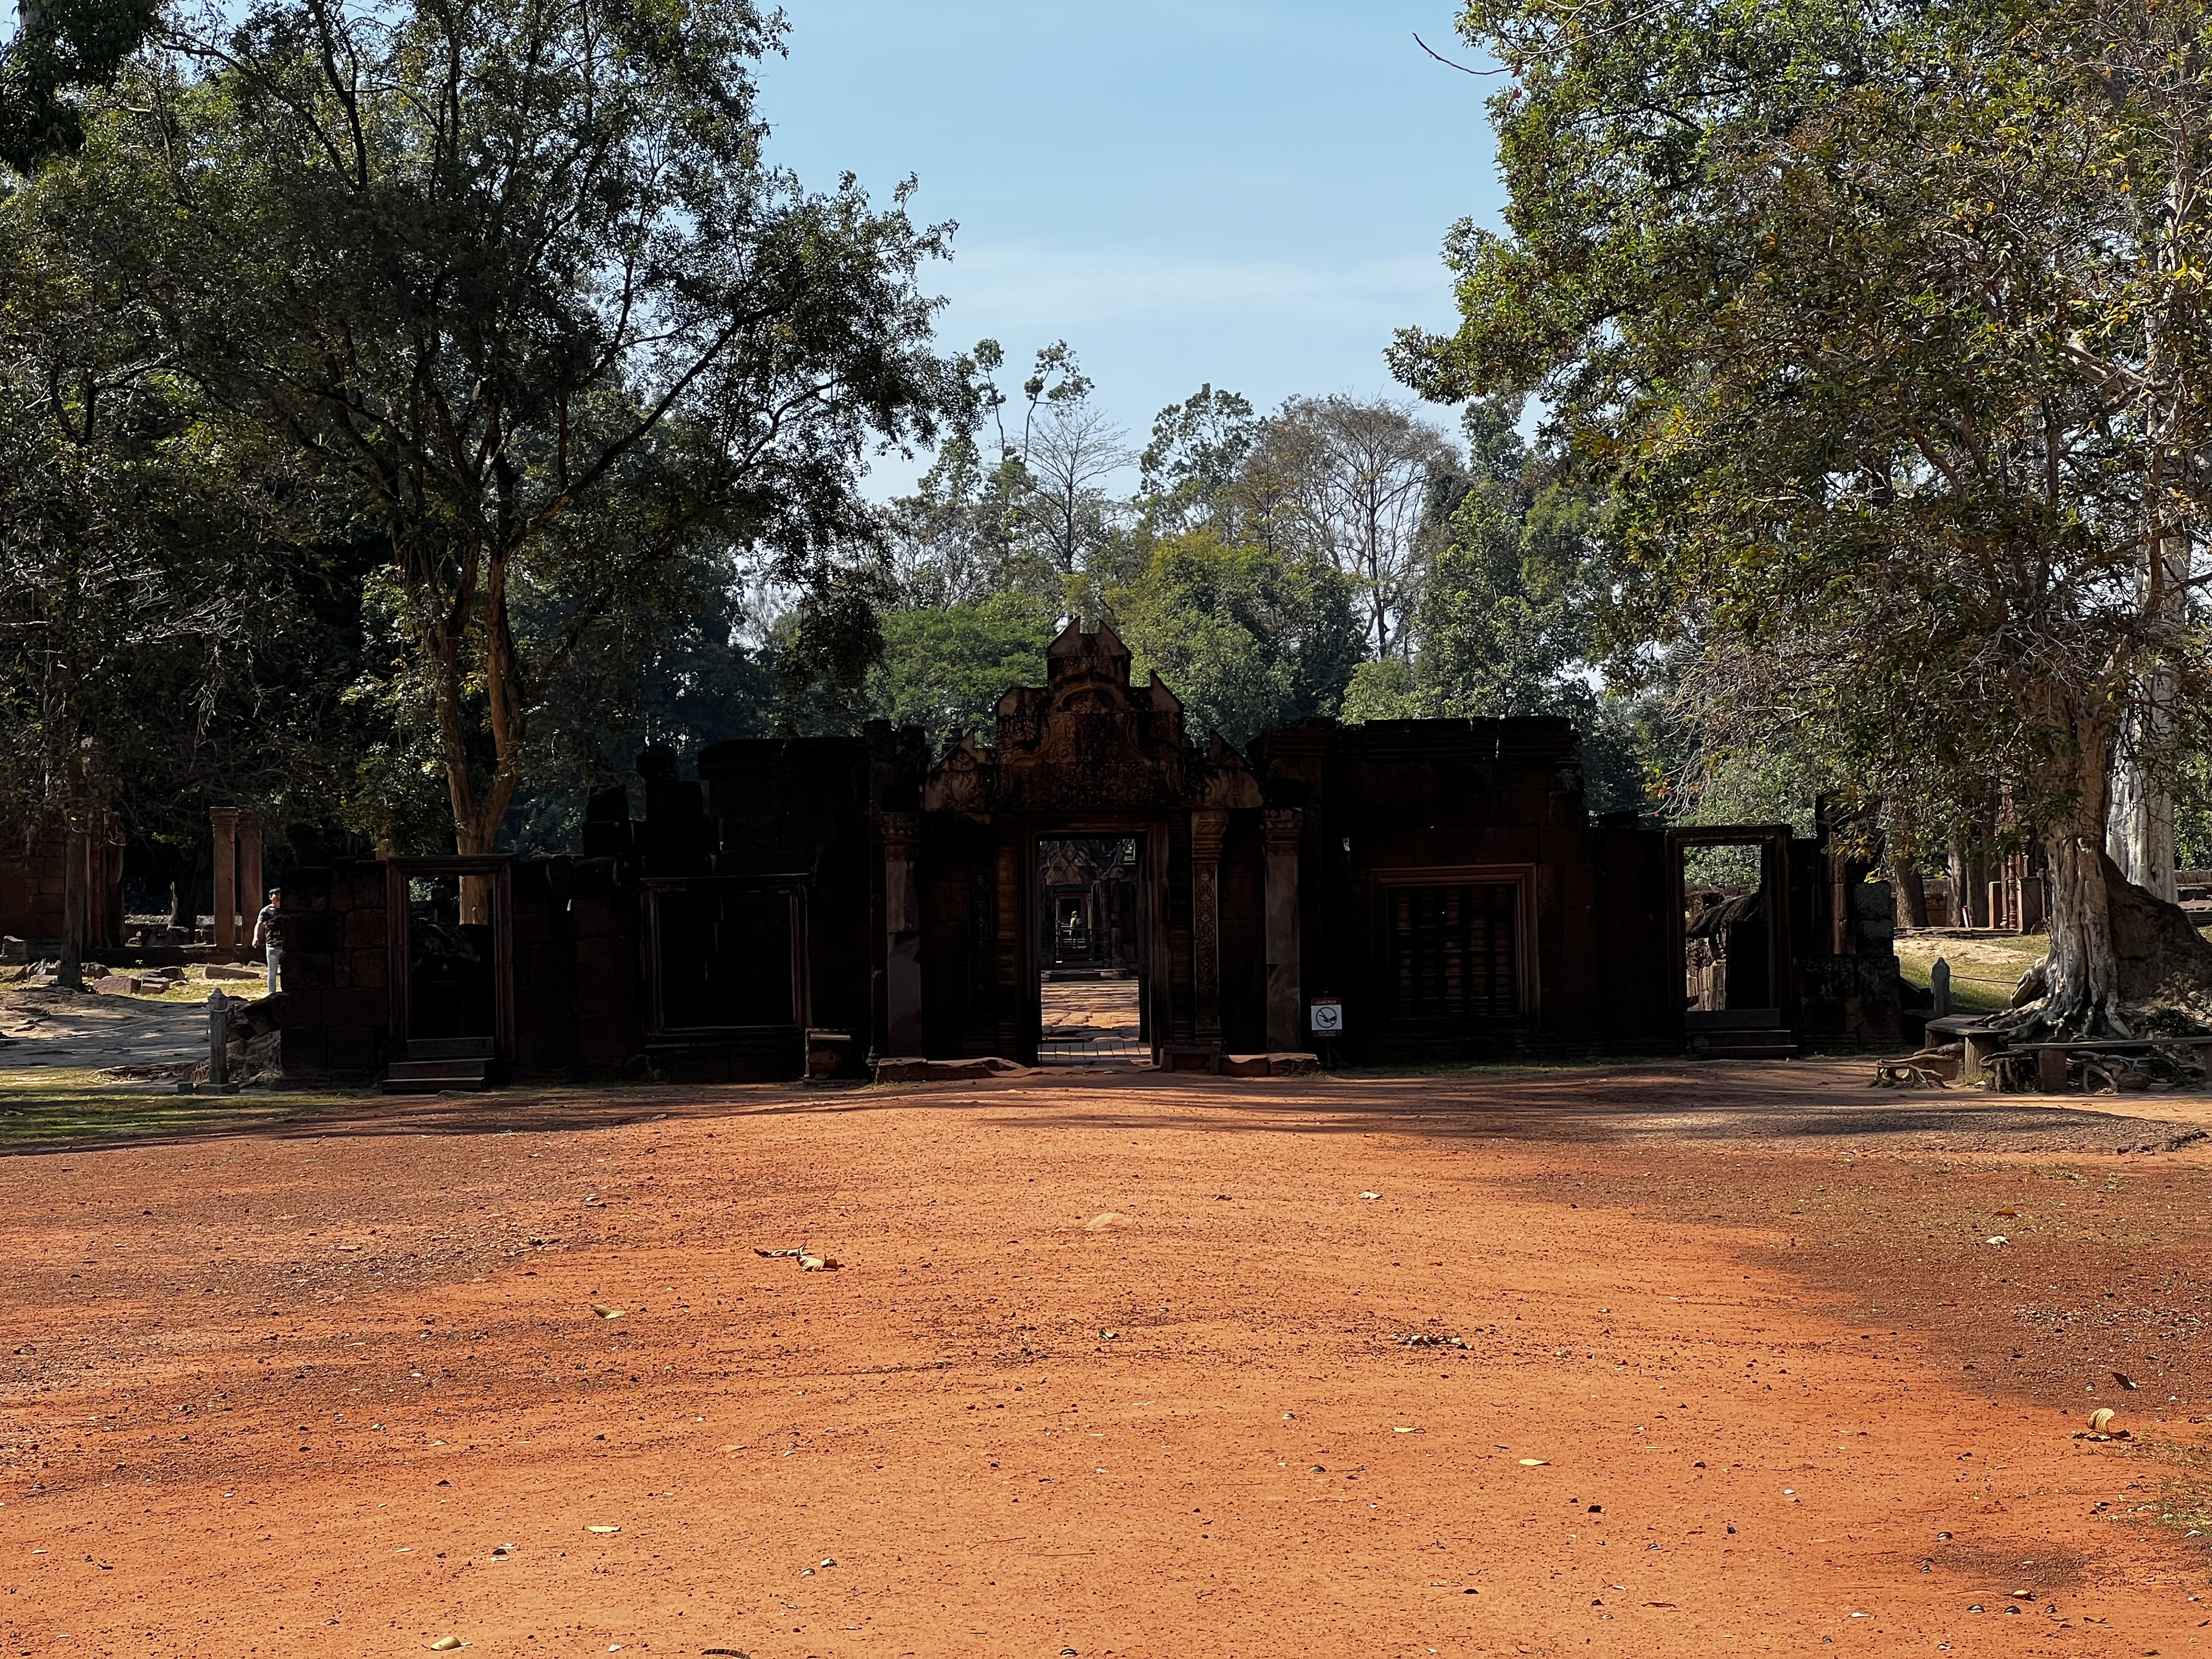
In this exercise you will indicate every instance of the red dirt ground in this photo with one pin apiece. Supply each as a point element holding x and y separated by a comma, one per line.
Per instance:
<point>1741,1373</point>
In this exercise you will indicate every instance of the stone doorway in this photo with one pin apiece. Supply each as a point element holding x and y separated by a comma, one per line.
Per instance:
<point>449,946</point>
<point>1091,949</point>
<point>1730,918</point>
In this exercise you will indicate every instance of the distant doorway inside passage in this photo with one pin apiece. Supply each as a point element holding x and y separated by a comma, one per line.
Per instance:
<point>1091,951</point>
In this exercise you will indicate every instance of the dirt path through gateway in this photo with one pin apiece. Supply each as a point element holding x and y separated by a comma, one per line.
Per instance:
<point>1116,1367</point>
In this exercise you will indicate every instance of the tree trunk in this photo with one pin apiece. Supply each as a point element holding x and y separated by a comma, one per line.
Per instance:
<point>1911,893</point>
<point>185,893</point>
<point>1969,891</point>
<point>2142,810</point>
<point>68,973</point>
<point>2140,837</point>
<point>2081,973</point>
<point>479,832</point>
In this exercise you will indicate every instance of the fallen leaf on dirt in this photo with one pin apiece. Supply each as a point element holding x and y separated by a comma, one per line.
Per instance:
<point>2007,1212</point>
<point>771,1255</point>
<point>1099,1224</point>
<point>2123,1382</point>
<point>2101,1419</point>
<point>1533,1462</point>
<point>445,1644</point>
<point>1658,1604</point>
<point>605,1312</point>
<point>1999,1239</point>
<point>819,1264</point>
<point>1371,1194</point>
<point>603,1529</point>
<point>1110,1335</point>
<point>1398,1430</point>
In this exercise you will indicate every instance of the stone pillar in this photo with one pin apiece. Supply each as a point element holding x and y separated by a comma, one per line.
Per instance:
<point>1284,1030</point>
<point>1013,994</point>
<point>902,934</point>
<point>225,820</point>
<point>251,896</point>
<point>1207,830</point>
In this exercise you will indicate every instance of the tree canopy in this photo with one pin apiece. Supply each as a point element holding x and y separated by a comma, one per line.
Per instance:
<point>1881,326</point>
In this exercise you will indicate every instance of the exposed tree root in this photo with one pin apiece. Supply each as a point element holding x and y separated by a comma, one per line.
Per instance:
<point>2159,966</point>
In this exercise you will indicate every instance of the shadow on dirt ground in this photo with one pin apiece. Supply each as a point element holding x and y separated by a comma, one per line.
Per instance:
<point>1821,1101</point>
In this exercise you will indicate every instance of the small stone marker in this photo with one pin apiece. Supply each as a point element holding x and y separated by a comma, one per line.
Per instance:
<point>218,1081</point>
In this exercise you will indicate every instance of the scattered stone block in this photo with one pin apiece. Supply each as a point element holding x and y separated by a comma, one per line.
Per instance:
<point>912,1068</point>
<point>1270,1065</point>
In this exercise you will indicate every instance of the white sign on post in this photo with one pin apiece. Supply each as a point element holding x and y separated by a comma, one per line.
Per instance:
<point>1326,1016</point>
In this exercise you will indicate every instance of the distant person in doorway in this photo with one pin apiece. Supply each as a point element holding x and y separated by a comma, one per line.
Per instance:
<point>269,936</point>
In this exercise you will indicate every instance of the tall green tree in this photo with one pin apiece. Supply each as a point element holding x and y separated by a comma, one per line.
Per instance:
<point>62,49</point>
<point>1189,471</point>
<point>127,507</point>
<point>516,275</point>
<point>944,668</point>
<point>1247,639</point>
<point>1015,497</point>
<point>1885,322</point>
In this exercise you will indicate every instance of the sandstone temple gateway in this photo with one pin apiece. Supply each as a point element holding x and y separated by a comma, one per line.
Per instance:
<point>811,906</point>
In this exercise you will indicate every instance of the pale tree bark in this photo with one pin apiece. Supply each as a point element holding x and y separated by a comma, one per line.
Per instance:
<point>2143,808</point>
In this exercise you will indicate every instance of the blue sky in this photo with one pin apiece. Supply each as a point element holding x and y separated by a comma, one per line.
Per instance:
<point>1250,194</point>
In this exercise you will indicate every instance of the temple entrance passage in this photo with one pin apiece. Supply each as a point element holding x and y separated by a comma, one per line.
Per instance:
<point>452,980</point>
<point>1727,965</point>
<point>1732,887</point>
<point>449,969</point>
<point>1090,951</point>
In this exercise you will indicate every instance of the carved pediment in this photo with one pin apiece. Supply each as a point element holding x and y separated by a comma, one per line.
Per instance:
<point>1089,741</point>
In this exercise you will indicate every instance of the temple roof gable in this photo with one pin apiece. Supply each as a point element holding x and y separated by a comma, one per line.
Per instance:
<point>1088,741</point>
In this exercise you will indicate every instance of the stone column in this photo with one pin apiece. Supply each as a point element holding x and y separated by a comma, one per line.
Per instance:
<point>902,934</point>
<point>1012,995</point>
<point>251,896</point>
<point>225,820</point>
<point>1284,1028</point>
<point>1207,830</point>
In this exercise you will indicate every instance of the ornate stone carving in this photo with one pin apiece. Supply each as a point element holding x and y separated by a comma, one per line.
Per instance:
<point>1089,741</point>
<point>1208,830</point>
<point>901,831</point>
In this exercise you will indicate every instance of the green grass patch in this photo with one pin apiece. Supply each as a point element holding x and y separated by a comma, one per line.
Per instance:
<point>1977,987</point>
<point>55,1107</point>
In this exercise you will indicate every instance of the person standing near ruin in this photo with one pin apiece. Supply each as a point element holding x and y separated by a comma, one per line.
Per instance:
<point>269,935</point>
